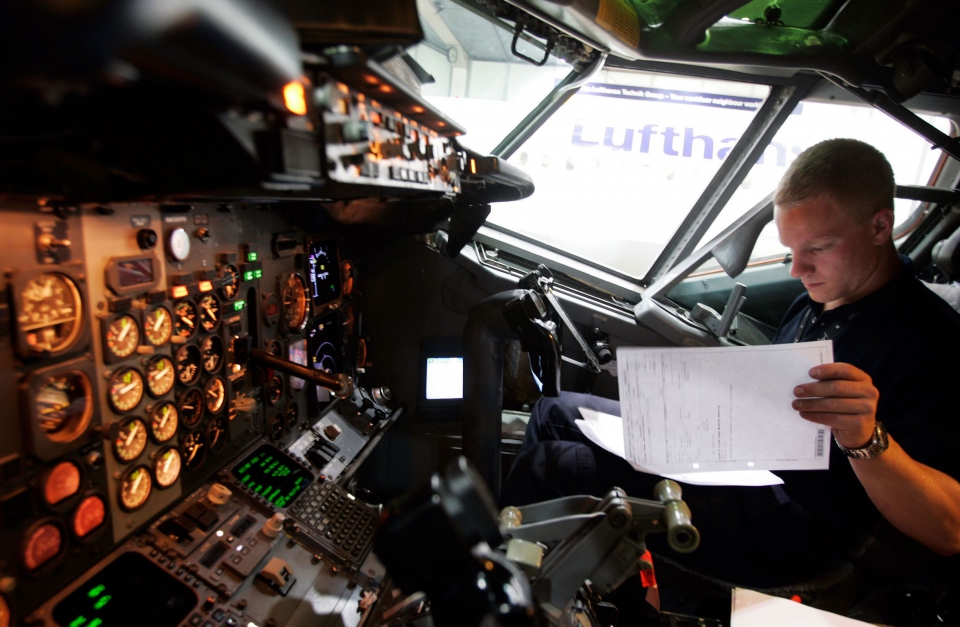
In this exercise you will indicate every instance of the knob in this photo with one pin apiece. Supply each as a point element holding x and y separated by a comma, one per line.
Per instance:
<point>274,527</point>
<point>146,239</point>
<point>203,234</point>
<point>382,395</point>
<point>218,494</point>
<point>48,242</point>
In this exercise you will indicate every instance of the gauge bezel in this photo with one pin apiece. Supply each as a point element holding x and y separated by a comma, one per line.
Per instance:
<point>97,531</point>
<point>143,385</point>
<point>123,479</point>
<point>223,401</point>
<point>193,330</point>
<point>199,433</point>
<point>69,502</point>
<point>112,274</point>
<point>176,364</point>
<point>283,389</point>
<point>146,439</point>
<point>200,311</point>
<point>156,462</point>
<point>39,442</point>
<point>79,337</point>
<point>282,290</point>
<point>109,356</point>
<point>203,407</point>
<point>152,414</point>
<point>221,274</point>
<point>224,439</point>
<point>146,317</point>
<point>53,561</point>
<point>223,354</point>
<point>147,369</point>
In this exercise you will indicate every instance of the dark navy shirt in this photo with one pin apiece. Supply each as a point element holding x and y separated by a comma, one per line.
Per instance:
<point>908,340</point>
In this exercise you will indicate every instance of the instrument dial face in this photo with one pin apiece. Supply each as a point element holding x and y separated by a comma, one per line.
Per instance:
<point>123,336</point>
<point>209,312</point>
<point>135,488</point>
<point>50,313</point>
<point>212,353</point>
<point>44,544</point>
<point>61,483</point>
<point>185,321</point>
<point>164,420</point>
<point>194,449</point>
<point>188,364</point>
<point>191,407</point>
<point>125,390</point>
<point>131,440</point>
<point>160,375</point>
<point>215,393</point>
<point>63,405</point>
<point>167,467</point>
<point>294,298</point>
<point>90,516</point>
<point>179,243</point>
<point>217,434</point>
<point>275,389</point>
<point>230,281</point>
<point>158,326</point>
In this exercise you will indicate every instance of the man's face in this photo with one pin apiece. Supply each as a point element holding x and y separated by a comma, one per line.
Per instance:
<point>835,252</point>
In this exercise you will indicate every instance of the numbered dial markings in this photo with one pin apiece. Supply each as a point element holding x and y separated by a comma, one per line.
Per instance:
<point>125,390</point>
<point>160,375</point>
<point>185,322</point>
<point>212,353</point>
<point>163,422</point>
<point>230,281</point>
<point>135,488</point>
<point>167,467</point>
<point>188,364</point>
<point>50,313</point>
<point>131,440</point>
<point>194,449</point>
<point>158,327</point>
<point>123,336</point>
<point>191,407</point>
<point>209,307</point>
<point>294,297</point>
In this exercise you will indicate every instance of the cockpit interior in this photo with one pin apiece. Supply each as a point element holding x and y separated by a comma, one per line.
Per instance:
<point>284,279</point>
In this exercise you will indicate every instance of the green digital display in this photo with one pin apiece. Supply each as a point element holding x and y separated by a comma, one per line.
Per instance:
<point>251,256</point>
<point>272,474</point>
<point>239,305</point>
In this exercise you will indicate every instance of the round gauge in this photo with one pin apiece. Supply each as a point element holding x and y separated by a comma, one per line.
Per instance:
<point>131,440</point>
<point>275,389</point>
<point>123,336</point>
<point>217,434</point>
<point>215,393</point>
<point>43,544</point>
<point>160,375</point>
<point>229,281</point>
<point>158,327</point>
<point>212,353</point>
<point>291,416</point>
<point>135,487</point>
<point>163,421</point>
<point>185,319</point>
<point>167,467</point>
<point>61,483</point>
<point>63,405</point>
<point>271,310</point>
<point>194,447</point>
<point>274,348</point>
<point>191,407</point>
<point>179,244</point>
<point>125,389</point>
<point>188,364</point>
<point>209,312</point>
<point>294,296</point>
<point>50,313</point>
<point>90,516</point>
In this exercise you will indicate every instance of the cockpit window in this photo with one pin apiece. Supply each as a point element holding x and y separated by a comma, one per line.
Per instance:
<point>622,162</point>
<point>477,81</point>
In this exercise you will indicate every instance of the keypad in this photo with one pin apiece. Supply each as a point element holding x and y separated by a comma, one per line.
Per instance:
<point>336,520</point>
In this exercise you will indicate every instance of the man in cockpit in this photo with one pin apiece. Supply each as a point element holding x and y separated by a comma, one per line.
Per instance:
<point>890,503</point>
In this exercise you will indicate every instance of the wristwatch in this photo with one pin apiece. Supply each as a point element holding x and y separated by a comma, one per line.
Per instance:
<point>874,448</point>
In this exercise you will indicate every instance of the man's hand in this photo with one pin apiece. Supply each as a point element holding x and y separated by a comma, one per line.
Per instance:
<point>843,398</point>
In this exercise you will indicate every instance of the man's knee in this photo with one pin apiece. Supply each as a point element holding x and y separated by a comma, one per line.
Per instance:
<point>554,418</point>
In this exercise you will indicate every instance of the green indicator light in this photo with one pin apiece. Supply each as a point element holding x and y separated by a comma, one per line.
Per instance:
<point>78,621</point>
<point>101,602</point>
<point>248,275</point>
<point>95,592</point>
<point>239,305</point>
<point>251,256</point>
<point>257,274</point>
<point>96,622</point>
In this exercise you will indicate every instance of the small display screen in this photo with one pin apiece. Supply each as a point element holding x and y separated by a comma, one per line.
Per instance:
<point>297,353</point>
<point>135,272</point>
<point>325,344</point>
<point>131,590</point>
<point>272,474</point>
<point>444,377</point>
<point>324,272</point>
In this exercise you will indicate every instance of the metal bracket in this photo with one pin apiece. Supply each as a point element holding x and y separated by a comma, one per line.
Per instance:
<point>518,30</point>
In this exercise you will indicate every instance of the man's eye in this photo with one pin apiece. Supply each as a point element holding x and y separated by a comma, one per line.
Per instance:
<point>816,250</point>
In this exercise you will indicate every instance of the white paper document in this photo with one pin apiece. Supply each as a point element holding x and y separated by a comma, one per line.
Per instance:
<point>706,409</point>
<point>754,609</point>
<point>606,431</point>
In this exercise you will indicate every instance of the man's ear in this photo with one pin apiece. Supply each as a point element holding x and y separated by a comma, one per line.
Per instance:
<point>882,226</point>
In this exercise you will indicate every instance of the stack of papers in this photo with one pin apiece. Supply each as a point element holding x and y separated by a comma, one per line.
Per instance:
<point>753,609</point>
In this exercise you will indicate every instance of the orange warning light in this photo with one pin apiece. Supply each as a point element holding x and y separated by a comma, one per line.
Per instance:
<point>180,291</point>
<point>294,98</point>
<point>206,286</point>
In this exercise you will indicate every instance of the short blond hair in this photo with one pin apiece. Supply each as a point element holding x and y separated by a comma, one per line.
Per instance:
<point>850,171</point>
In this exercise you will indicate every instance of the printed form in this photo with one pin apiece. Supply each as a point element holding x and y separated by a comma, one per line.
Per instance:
<point>708,409</point>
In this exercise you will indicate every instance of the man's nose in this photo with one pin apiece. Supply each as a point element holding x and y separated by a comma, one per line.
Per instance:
<point>799,266</point>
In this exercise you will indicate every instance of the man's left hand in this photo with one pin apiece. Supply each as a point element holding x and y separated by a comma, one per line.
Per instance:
<point>843,398</point>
